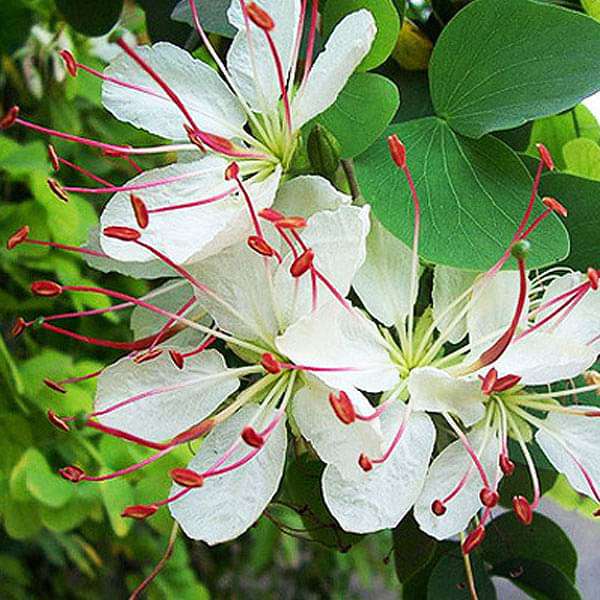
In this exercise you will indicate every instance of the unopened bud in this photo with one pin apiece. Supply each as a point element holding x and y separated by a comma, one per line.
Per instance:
<point>46,288</point>
<point>365,463</point>
<point>474,539</point>
<point>252,437</point>
<point>438,508</point>
<point>54,386</point>
<point>270,364</point>
<point>57,421</point>
<point>260,246</point>
<point>323,151</point>
<point>343,407</point>
<point>125,234</point>
<point>72,473</point>
<point>397,151</point>
<point>9,118</point>
<point>139,210</point>
<point>18,237</point>
<point>57,189</point>
<point>554,205</point>
<point>70,62</point>
<point>545,156</point>
<point>522,510</point>
<point>488,497</point>
<point>187,478</point>
<point>139,511</point>
<point>260,17</point>
<point>520,249</point>
<point>302,264</point>
<point>507,466</point>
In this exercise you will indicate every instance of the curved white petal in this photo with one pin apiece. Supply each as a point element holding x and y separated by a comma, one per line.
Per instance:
<point>380,498</point>
<point>333,337</point>
<point>227,505</point>
<point>188,234</point>
<point>189,395</point>
<point>349,43</point>
<point>582,324</point>
<point>335,442</point>
<point>251,64</point>
<point>433,390</point>
<point>383,282</point>
<point>541,358</point>
<point>446,471</point>
<point>581,436</point>
<point>448,285</point>
<point>207,98</point>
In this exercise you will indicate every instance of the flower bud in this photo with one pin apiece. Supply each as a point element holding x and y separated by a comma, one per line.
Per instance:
<point>323,151</point>
<point>140,211</point>
<point>302,264</point>
<point>187,478</point>
<point>72,473</point>
<point>46,288</point>
<point>139,511</point>
<point>125,234</point>
<point>18,237</point>
<point>252,437</point>
<point>522,510</point>
<point>474,539</point>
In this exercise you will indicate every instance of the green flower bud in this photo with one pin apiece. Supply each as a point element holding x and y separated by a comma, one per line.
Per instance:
<point>323,151</point>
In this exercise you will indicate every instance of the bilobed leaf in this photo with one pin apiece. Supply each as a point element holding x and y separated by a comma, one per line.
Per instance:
<point>90,17</point>
<point>386,17</point>
<point>472,192</point>
<point>361,112</point>
<point>543,541</point>
<point>500,64</point>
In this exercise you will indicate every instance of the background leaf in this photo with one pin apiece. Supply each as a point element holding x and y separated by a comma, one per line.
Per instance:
<point>91,17</point>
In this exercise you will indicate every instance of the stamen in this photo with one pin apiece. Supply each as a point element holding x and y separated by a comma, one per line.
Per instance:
<point>139,210</point>
<point>57,160</point>
<point>57,421</point>
<point>252,437</point>
<point>194,203</point>
<point>58,190</point>
<point>342,407</point>
<point>21,236</point>
<point>270,363</point>
<point>312,34</point>
<point>397,437</point>
<point>139,511</point>
<point>187,478</point>
<point>522,509</point>
<point>302,264</point>
<point>473,540</point>
<point>9,118</point>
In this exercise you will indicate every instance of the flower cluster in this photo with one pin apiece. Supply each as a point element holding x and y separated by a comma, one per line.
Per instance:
<point>262,264</point>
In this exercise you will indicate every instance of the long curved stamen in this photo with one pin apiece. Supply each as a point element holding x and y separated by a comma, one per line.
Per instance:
<point>310,47</point>
<point>192,204</point>
<point>397,437</point>
<point>22,237</point>
<point>59,160</point>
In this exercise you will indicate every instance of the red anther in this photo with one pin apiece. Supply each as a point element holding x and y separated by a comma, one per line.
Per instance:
<point>214,142</point>
<point>53,157</point>
<point>596,513</point>
<point>594,278</point>
<point>506,382</point>
<point>554,205</point>
<point>194,432</point>
<point>71,473</point>
<point>365,463</point>
<point>54,386</point>
<point>260,17</point>
<point>187,478</point>
<point>522,509</point>
<point>545,156</point>
<point>57,421</point>
<point>9,117</point>
<point>474,539</point>
<point>70,62</point>
<point>252,437</point>
<point>46,288</point>
<point>291,223</point>
<point>139,210</point>
<point>507,466</point>
<point>19,327</point>
<point>397,151</point>
<point>139,511</point>
<point>147,356</point>
<point>125,234</point>
<point>342,407</point>
<point>270,364</point>
<point>232,171</point>
<point>302,264</point>
<point>177,358</point>
<point>488,497</point>
<point>438,508</point>
<point>18,237</point>
<point>57,189</point>
<point>489,381</point>
<point>260,246</point>
<point>270,214</point>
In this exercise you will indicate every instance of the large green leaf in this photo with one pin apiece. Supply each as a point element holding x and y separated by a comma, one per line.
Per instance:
<point>212,15</point>
<point>361,112</point>
<point>543,540</point>
<point>385,15</point>
<point>473,194</point>
<point>500,64</point>
<point>413,549</point>
<point>91,17</point>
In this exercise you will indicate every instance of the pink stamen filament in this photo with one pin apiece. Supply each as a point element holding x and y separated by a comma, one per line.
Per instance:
<point>192,204</point>
<point>168,324</point>
<point>248,200</point>
<point>201,348</point>
<point>297,44</point>
<point>567,294</point>
<point>120,434</point>
<point>397,437</point>
<point>80,378</point>
<point>280,79</point>
<point>294,367</point>
<point>310,47</point>
<point>64,247</point>
<point>83,171</point>
<point>130,469</point>
<point>459,486</point>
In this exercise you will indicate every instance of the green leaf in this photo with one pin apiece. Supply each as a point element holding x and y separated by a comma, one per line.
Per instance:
<point>564,495</point>
<point>388,26</point>
<point>21,519</point>
<point>413,549</point>
<point>543,540</point>
<point>117,495</point>
<point>473,194</point>
<point>364,108</point>
<point>592,8</point>
<point>90,17</point>
<point>582,157</point>
<point>212,16</point>
<point>16,19</point>
<point>66,518</point>
<point>20,159</point>
<point>539,579</point>
<point>448,579</point>
<point>500,64</point>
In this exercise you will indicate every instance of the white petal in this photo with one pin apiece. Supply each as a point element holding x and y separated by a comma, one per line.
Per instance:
<point>582,436</point>
<point>541,358</point>
<point>381,498</point>
<point>448,285</point>
<point>260,87</point>
<point>433,390</point>
<point>227,505</point>
<point>383,282</point>
<point>203,93</point>
<point>205,384</point>
<point>349,43</point>
<point>492,308</point>
<point>582,324</point>
<point>334,442</point>
<point>446,471</point>
<point>192,233</point>
<point>335,337</point>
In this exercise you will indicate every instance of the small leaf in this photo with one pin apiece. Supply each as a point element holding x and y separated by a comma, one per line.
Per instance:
<point>90,17</point>
<point>500,64</point>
